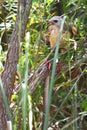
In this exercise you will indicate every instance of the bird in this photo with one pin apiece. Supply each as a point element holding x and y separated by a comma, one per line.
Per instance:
<point>51,35</point>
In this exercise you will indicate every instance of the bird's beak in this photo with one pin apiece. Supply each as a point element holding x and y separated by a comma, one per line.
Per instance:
<point>50,22</point>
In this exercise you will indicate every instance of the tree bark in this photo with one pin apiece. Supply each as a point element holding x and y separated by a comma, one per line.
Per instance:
<point>8,74</point>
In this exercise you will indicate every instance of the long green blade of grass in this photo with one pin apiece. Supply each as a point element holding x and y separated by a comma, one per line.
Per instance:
<point>5,101</point>
<point>24,86</point>
<point>53,76</point>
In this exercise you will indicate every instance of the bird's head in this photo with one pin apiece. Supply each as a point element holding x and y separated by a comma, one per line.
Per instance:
<point>56,20</point>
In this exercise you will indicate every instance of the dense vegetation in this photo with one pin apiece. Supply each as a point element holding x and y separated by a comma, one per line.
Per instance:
<point>68,101</point>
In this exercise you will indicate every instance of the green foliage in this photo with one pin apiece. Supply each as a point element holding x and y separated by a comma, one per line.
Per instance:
<point>84,104</point>
<point>67,102</point>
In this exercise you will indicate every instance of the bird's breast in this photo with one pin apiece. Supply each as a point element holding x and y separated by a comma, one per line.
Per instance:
<point>53,37</point>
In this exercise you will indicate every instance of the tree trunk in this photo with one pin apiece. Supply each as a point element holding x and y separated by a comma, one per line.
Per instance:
<point>8,74</point>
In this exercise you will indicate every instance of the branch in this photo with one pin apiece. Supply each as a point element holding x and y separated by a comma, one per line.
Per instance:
<point>35,78</point>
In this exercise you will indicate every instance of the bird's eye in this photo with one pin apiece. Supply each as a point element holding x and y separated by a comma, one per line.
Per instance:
<point>55,21</point>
